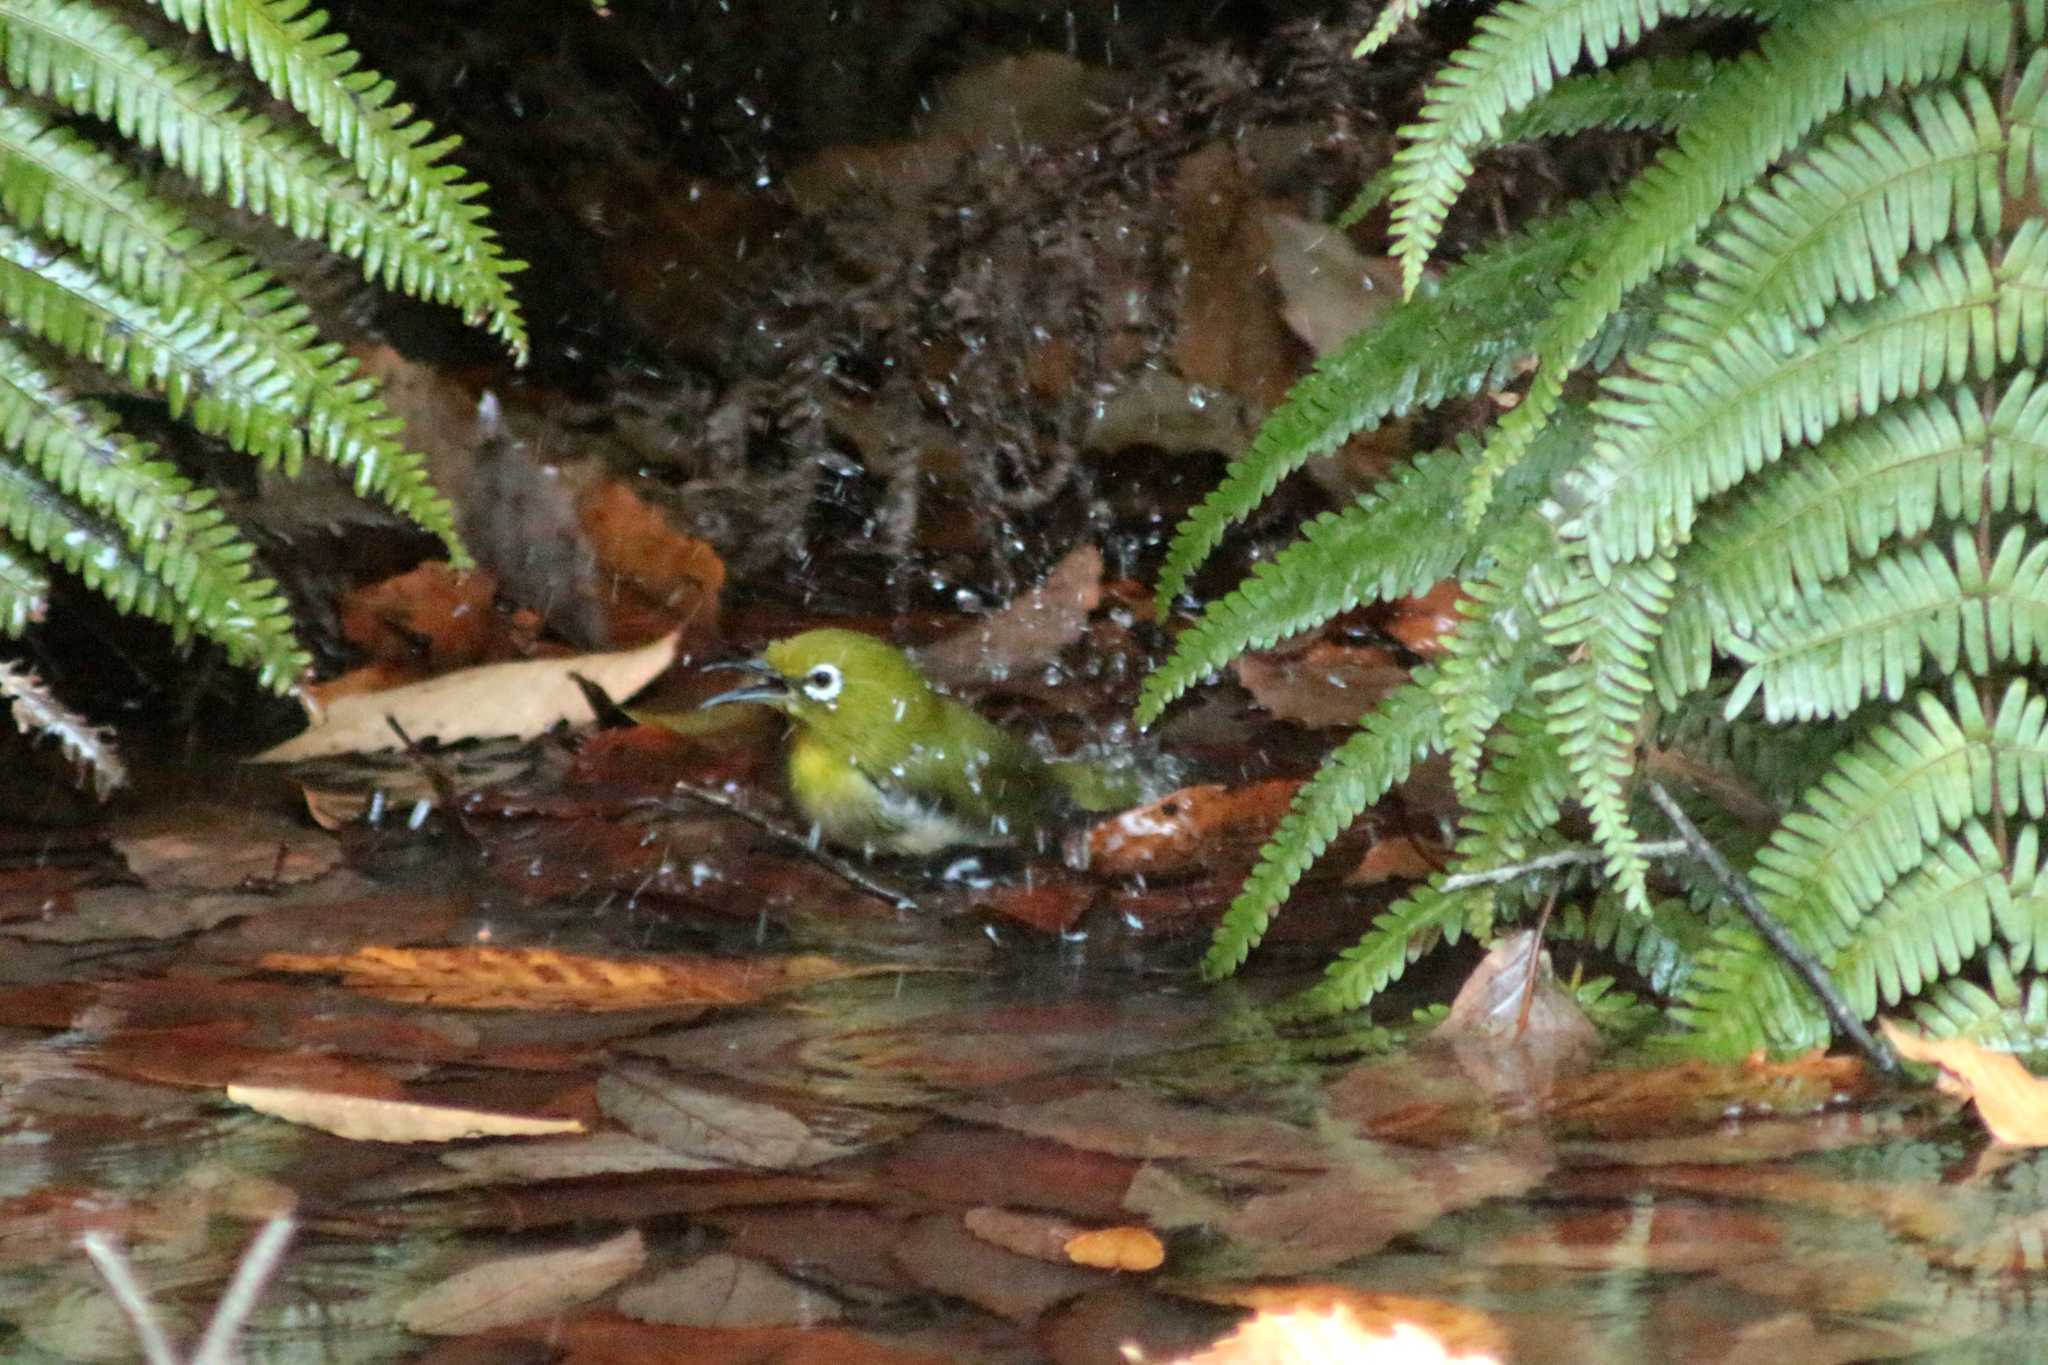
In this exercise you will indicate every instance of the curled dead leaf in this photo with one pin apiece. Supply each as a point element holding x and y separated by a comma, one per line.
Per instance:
<point>2012,1102</point>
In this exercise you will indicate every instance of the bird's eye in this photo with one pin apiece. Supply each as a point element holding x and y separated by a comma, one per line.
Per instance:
<point>822,683</point>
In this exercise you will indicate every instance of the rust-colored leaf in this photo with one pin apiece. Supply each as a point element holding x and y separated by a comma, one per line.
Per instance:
<point>1398,858</point>
<point>433,619</point>
<point>1421,623</point>
<point>660,580</point>
<point>1190,830</point>
<point>2011,1101</point>
<point>547,978</point>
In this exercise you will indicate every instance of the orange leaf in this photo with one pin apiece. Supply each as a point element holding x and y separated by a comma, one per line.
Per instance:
<point>1121,1248</point>
<point>544,978</point>
<point>1189,830</point>
<point>2012,1102</point>
<point>665,580</point>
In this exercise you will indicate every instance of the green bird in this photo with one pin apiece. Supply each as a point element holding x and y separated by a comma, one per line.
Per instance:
<point>881,762</point>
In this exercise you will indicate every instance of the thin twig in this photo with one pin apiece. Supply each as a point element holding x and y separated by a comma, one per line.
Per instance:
<point>1804,963</point>
<point>1550,862</point>
<point>217,1347</point>
<point>129,1295</point>
<point>831,862</point>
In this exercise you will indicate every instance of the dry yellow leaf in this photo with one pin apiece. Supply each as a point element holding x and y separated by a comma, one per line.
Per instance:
<point>1122,1248</point>
<point>368,1120</point>
<point>2011,1101</point>
<point>545,978</point>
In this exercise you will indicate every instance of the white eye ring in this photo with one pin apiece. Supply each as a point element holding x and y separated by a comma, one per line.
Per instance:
<point>823,682</point>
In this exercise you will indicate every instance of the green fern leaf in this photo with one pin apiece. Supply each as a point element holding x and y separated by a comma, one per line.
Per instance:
<point>1397,937</point>
<point>1467,336</point>
<point>1802,73</point>
<point>24,589</point>
<point>76,193</point>
<point>1677,435</point>
<point>1662,946</point>
<point>1652,93</point>
<point>289,48</point>
<point>179,560</point>
<point>1515,56</point>
<point>86,59</point>
<point>1932,922</point>
<point>1597,703</point>
<point>1399,733</point>
<point>1395,541</point>
<point>1871,635</point>
<point>1804,524</point>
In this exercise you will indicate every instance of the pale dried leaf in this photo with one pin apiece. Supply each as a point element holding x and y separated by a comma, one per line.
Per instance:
<point>522,699</point>
<point>370,1120</point>
<point>518,1288</point>
<point>2012,1102</point>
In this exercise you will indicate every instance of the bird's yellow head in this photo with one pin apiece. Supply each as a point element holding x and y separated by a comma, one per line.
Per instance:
<point>839,683</point>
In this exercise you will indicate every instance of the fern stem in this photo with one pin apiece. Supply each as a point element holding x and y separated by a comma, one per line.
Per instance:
<point>1550,862</point>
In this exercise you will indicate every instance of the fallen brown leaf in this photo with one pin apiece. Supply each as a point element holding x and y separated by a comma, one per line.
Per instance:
<point>1025,636</point>
<point>547,978</point>
<point>1324,686</point>
<point>514,1288</point>
<point>658,580</point>
<point>2011,1101</point>
<point>1190,830</point>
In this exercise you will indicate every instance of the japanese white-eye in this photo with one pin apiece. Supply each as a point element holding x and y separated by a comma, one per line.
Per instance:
<point>881,762</point>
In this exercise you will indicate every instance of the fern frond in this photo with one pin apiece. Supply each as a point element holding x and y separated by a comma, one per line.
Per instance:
<point>1396,14</point>
<point>1677,436</point>
<point>2012,1016</point>
<point>1863,828</point>
<point>1397,937</point>
<point>1649,93</point>
<point>1516,54</point>
<point>1803,71</point>
<point>1871,635</point>
<point>1597,702</point>
<point>24,589</point>
<point>1804,524</point>
<point>131,527</point>
<point>1837,223</point>
<point>1661,946</point>
<point>1467,336</point>
<point>86,59</point>
<point>1488,656</point>
<point>2022,910</point>
<point>1398,734</point>
<point>289,48</point>
<point>1394,541</point>
<point>72,191</point>
<point>1928,926</point>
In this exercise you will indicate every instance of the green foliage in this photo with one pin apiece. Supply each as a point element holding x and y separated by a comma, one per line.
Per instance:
<point>99,266</point>
<point>1767,523</point>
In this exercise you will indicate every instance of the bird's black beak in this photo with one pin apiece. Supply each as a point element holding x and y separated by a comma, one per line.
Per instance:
<point>771,689</point>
